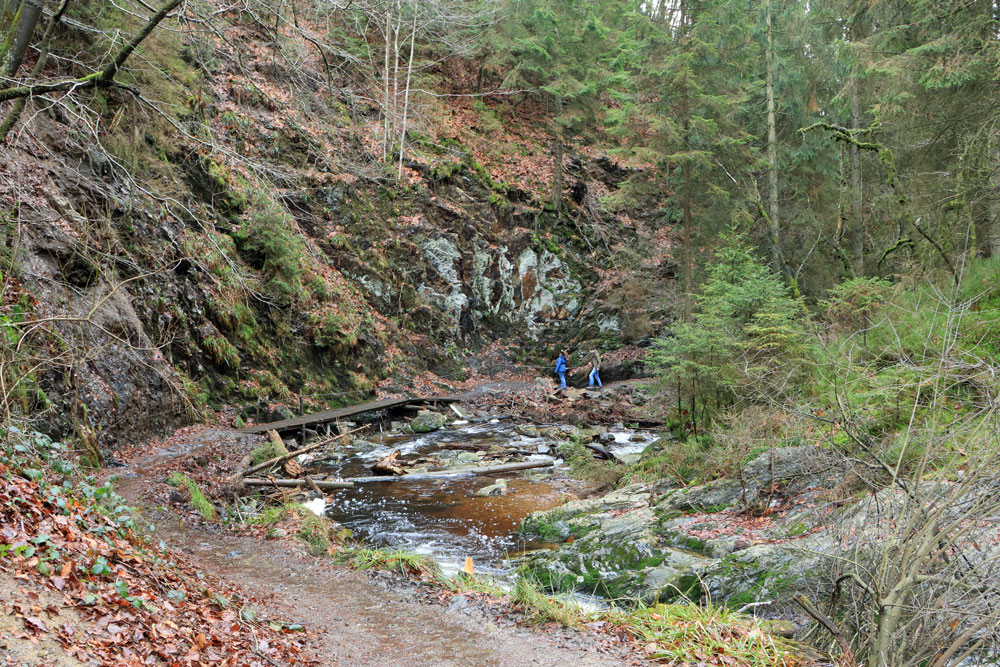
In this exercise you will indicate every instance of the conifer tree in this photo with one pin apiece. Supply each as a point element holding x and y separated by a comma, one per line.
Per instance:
<point>570,52</point>
<point>689,79</point>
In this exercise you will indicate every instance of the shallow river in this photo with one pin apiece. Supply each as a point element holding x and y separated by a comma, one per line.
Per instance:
<point>443,518</point>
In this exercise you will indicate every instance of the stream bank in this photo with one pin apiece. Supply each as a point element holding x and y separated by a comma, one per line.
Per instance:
<point>538,521</point>
<point>354,617</point>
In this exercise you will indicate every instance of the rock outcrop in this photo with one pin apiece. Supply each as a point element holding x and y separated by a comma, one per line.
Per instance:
<point>657,543</point>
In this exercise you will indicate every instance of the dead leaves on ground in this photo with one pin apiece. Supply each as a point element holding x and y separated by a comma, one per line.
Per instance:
<point>107,597</point>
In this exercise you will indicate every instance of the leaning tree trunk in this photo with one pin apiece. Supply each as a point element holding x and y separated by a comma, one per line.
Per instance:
<point>43,55</point>
<point>17,37</point>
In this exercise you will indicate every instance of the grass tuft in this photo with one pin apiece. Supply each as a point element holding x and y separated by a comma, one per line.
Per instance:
<point>690,634</point>
<point>198,499</point>
<point>315,532</point>
<point>385,559</point>
<point>541,607</point>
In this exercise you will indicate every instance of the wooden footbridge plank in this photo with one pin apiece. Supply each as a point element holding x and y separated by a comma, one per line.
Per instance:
<point>327,416</point>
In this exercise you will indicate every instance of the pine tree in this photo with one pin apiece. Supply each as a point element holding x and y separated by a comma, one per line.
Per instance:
<point>745,338</point>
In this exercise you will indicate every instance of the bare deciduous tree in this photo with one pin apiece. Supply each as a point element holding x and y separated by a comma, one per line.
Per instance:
<point>919,583</point>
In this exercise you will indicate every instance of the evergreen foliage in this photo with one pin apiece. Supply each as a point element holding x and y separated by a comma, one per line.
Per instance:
<point>745,341</point>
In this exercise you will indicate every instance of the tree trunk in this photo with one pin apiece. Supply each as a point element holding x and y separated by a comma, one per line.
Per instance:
<point>986,213</point>
<point>687,224</point>
<point>395,68</point>
<point>385,86</point>
<point>43,56</point>
<point>20,32</point>
<point>686,229</point>
<point>557,160</point>
<point>406,95</point>
<point>482,470</point>
<point>7,10</point>
<point>773,225</point>
<point>857,195</point>
<point>322,485</point>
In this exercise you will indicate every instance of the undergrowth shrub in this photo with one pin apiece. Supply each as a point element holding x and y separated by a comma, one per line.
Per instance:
<point>746,342</point>
<point>851,304</point>
<point>685,461</point>
<point>221,351</point>
<point>269,240</point>
<point>315,532</point>
<point>268,450</point>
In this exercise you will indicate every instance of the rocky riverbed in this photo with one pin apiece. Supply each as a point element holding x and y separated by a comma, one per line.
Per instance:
<point>748,542</point>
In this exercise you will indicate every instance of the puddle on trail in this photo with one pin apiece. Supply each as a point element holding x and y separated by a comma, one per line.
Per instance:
<point>443,518</point>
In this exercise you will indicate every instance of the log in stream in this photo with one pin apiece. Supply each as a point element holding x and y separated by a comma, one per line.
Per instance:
<point>351,481</point>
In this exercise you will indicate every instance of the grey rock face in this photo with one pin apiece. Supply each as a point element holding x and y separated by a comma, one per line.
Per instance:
<point>658,543</point>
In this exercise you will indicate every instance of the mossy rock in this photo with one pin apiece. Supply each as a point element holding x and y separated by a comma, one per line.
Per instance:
<point>427,421</point>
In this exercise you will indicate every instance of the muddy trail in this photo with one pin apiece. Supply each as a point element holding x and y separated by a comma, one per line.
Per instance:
<point>354,617</point>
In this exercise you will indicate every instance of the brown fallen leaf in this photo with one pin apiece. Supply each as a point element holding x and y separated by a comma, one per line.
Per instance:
<point>36,624</point>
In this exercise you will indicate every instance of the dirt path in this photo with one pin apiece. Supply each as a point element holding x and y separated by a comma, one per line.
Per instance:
<point>357,618</point>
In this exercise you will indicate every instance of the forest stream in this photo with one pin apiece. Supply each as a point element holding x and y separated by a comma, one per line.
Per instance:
<point>375,618</point>
<point>444,518</point>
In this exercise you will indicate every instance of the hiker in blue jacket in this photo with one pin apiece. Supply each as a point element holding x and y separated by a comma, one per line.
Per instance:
<point>561,368</point>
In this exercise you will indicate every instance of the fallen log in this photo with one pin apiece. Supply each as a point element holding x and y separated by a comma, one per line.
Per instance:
<point>388,465</point>
<point>284,457</point>
<point>484,470</point>
<point>317,484</point>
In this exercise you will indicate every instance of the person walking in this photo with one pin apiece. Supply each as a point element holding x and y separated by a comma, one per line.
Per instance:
<point>561,368</point>
<point>595,368</point>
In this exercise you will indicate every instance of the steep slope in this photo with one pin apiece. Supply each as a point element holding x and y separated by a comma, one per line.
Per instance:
<point>219,233</point>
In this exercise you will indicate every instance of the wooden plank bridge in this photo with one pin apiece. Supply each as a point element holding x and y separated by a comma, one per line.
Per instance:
<point>327,416</point>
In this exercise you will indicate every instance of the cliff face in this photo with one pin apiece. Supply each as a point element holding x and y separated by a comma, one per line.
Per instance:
<point>232,244</point>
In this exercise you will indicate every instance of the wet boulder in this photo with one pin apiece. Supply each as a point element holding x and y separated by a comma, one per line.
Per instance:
<point>626,458</point>
<point>427,421</point>
<point>551,432</point>
<point>782,469</point>
<point>617,554</point>
<point>770,573</point>
<point>498,488</point>
<point>711,497</point>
